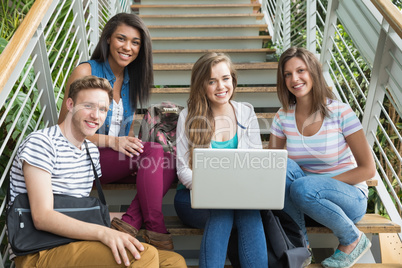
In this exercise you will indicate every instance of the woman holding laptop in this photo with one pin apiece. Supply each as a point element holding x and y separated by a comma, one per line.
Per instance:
<point>213,120</point>
<point>330,159</point>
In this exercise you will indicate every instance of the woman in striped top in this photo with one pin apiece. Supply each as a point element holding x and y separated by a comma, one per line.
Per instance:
<point>329,156</point>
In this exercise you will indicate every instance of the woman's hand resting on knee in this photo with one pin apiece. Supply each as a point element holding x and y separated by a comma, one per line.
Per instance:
<point>129,146</point>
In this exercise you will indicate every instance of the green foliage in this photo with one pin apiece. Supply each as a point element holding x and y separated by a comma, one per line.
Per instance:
<point>12,13</point>
<point>19,105</point>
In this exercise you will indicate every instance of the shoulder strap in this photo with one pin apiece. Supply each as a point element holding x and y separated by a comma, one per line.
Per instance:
<point>97,181</point>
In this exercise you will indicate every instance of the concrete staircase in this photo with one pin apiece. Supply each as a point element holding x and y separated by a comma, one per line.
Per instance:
<point>181,32</point>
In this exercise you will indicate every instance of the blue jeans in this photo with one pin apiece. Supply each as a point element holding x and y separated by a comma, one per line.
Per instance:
<point>332,203</point>
<point>195,218</point>
<point>252,244</point>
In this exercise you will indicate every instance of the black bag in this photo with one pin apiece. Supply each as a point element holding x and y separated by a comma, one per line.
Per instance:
<point>287,247</point>
<point>159,125</point>
<point>25,239</point>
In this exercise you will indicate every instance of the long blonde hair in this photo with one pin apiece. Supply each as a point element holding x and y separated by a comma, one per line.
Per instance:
<point>320,89</point>
<point>200,124</point>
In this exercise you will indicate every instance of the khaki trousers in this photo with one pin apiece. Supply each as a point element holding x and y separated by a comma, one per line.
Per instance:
<point>96,254</point>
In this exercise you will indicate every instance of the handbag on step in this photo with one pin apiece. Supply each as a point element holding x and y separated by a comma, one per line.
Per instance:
<point>25,239</point>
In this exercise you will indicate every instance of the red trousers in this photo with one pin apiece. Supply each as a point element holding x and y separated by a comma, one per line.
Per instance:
<point>155,171</point>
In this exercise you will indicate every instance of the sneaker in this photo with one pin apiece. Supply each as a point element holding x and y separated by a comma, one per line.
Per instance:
<point>342,260</point>
<point>124,227</point>
<point>307,262</point>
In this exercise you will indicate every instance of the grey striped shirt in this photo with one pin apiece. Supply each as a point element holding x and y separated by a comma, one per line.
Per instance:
<point>70,168</point>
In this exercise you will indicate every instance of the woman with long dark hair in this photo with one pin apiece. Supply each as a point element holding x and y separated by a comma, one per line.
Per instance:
<point>123,55</point>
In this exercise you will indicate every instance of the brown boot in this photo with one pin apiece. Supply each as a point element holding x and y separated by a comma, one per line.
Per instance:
<point>158,240</point>
<point>124,227</point>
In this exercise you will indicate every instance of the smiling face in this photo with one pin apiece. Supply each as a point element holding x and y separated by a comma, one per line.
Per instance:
<point>297,78</point>
<point>88,112</point>
<point>220,85</point>
<point>124,45</point>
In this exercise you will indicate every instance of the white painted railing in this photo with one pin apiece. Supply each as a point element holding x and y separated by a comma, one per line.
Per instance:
<point>33,72</point>
<point>361,56</point>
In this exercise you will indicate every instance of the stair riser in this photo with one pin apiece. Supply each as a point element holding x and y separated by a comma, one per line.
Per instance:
<point>207,44</point>
<point>196,10</point>
<point>199,2</point>
<point>258,100</point>
<point>205,32</point>
<point>193,57</point>
<point>265,125</point>
<point>249,77</point>
<point>200,21</point>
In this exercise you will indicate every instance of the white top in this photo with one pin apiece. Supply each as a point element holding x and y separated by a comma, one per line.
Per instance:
<point>248,133</point>
<point>117,118</point>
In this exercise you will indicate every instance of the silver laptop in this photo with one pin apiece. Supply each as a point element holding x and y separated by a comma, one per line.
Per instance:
<point>238,178</point>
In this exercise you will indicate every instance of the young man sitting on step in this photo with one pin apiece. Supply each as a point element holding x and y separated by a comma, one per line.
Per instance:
<point>54,161</point>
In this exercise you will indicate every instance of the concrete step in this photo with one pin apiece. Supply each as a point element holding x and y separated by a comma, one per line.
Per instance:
<point>259,97</point>
<point>210,42</point>
<point>260,73</point>
<point>183,2</point>
<point>164,9</point>
<point>186,90</point>
<point>371,223</point>
<point>264,121</point>
<point>362,265</point>
<point>191,19</point>
<point>133,186</point>
<point>206,30</point>
<point>358,265</point>
<point>192,55</point>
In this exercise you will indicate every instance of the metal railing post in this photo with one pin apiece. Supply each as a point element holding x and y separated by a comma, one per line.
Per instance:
<point>277,23</point>
<point>286,24</point>
<point>93,25</point>
<point>329,31</point>
<point>81,32</point>
<point>378,79</point>
<point>42,66</point>
<point>311,26</point>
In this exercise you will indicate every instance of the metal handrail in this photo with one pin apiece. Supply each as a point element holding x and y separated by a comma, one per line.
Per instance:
<point>390,13</point>
<point>14,51</point>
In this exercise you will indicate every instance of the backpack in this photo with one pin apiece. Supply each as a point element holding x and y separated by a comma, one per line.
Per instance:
<point>159,125</point>
<point>286,245</point>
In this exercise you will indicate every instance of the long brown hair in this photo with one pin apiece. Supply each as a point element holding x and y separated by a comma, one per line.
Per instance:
<point>140,70</point>
<point>200,124</point>
<point>320,89</point>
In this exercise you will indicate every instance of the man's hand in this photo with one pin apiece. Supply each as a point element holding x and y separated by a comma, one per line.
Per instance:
<point>118,242</point>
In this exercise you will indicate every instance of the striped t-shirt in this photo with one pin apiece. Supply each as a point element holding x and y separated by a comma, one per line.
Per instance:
<point>70,168</point>
<point>326,152</point>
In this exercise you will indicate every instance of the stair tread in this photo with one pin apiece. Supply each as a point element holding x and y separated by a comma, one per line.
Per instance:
<point>259,115</point>
<point>196,5</point>
<point>205,26</point>
<point>238,66</point>
<point>133,186</point>
<point>357,265</point>
<point>257,15</point>
<point>187,90</point>
<point>183,51</point>
<point>198,38</point>
<point>371,223</point>
<point>362,265</point>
